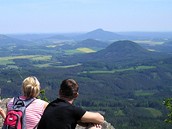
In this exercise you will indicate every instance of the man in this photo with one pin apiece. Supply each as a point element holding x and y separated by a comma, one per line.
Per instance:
<point>62,114</point>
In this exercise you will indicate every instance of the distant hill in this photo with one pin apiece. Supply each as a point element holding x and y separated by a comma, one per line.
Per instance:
<point>8,41</point>
<point>92,43</point>
<point>99,34</point>
<point>58,37</point>
<point>5,40</point>
<point>156,36</point>
<point>30,37</point>
<point>124,47</point>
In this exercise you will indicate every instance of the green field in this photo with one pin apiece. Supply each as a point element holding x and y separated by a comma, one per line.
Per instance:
<point>148,42</point>
<point>9,59</point>
<point>85,50</point>
<point>120,70</point>
<point>79,50</point>
<point>144,93</point>
<point>50,65</point>
<point>68,66</point>
<point>154,112</point>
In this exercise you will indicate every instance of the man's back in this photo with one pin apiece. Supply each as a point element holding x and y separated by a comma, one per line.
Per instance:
<point>60,114</point>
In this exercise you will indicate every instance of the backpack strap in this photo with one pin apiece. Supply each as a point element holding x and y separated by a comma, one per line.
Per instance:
<point>28,101</point>
<point>22,103</point>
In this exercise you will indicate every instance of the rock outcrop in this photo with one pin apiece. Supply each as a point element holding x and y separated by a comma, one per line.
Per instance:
<point>105,125</point>
<point>3,103</point>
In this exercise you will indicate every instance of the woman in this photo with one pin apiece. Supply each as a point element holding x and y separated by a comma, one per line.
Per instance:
<point>31,89</point>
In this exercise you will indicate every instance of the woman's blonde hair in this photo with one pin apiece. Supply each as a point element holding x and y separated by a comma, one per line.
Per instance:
<point>31,87</point>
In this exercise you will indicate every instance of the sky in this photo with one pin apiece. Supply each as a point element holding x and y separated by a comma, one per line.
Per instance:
<point>64,16</point>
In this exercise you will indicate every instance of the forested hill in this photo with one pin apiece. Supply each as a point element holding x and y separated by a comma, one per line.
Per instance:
<point>9,41</point>
<point>119,53</point>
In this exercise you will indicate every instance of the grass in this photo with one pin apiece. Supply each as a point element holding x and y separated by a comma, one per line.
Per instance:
<point>120,70</point>
<point>149,42</point>
<point>79,50</point>
<point>9,60</point>
<point>6,62</point>
<point>50,65</point>
<point>41,58</point>
<point>144,93</point>
<point>42,65</point>
<point>68,66</point>
<point>85,50</point>
<point>51,46</point>
<point>154,112</point>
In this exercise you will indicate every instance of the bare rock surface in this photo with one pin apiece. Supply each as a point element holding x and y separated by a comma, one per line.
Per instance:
<point>3,103</point>
<point>105,125</point>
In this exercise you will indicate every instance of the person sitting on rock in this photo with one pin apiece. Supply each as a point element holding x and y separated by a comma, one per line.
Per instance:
<point>31,89</point>
<point>62,114</point>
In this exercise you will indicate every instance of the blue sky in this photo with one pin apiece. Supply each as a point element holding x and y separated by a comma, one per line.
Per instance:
<point>56,16</point>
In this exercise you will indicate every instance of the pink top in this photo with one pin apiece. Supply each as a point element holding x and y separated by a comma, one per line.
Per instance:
<point>33,112</point>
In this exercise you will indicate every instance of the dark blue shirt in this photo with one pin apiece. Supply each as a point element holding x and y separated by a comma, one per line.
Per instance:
<point>60,114</point>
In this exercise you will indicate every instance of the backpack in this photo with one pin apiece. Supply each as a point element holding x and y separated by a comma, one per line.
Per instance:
<point>15,118</point>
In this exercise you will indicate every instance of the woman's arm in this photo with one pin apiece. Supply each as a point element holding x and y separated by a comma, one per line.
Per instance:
<point>2,113</point>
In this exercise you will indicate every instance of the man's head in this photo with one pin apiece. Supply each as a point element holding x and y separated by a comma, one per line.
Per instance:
<point>69,89</point>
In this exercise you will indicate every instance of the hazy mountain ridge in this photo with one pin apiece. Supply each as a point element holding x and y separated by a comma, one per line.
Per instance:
<point>31,37</point>
<point>99,34</point>
<point>8,41</point>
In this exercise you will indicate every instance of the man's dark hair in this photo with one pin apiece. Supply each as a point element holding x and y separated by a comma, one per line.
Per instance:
<point>69,88</point>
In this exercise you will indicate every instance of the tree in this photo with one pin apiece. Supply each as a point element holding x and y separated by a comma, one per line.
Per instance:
<point>43,96</point>
<point>168,104</point>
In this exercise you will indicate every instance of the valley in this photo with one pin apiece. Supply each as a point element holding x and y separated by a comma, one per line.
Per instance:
<point>121,77</point>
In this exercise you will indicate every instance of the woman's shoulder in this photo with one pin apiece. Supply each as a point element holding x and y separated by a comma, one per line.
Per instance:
<point>41,102</point>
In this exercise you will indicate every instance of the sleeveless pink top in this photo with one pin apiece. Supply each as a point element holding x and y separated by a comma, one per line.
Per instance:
<point>33,112</point>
